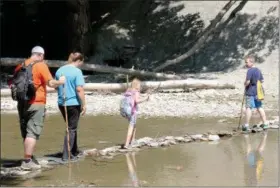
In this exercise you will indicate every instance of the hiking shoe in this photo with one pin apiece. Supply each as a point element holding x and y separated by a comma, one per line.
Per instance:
<point>264,126</point>
<point>30,165</point>
<point>245,129</point>
<point>78,154</point>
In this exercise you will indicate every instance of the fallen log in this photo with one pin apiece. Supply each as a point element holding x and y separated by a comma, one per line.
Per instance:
<point>95,68</point>
<point>169,84</point>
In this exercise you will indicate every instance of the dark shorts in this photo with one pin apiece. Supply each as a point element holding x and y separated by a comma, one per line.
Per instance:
<point>31,118</point>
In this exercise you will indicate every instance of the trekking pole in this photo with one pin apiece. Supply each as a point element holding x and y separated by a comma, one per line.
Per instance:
<point>127,81</point>
<point>241,111</point>
<point>66,122</point>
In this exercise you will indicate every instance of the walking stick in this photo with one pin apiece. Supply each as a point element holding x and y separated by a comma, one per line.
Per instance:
<point>241,111</point>
<point>66,121</point>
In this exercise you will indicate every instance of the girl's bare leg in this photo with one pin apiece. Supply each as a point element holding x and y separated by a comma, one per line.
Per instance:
<point>133,135</point>
<point>129,135</point>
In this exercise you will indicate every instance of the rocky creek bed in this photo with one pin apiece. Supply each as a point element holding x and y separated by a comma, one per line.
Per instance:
<point>12,169</point>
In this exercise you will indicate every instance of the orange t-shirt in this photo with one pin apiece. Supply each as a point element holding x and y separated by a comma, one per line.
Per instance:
<point>41,76</point>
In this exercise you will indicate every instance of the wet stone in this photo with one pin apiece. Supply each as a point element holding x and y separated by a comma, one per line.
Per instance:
<point>172,142</point>
<point>92,152</point>
<point>224,134</point>
<point>274,126</point>
<point>145,140</point>
<point>153,144</point>
<point>204,139</point>
<point>169,138</point>
<point>160,140</point>
<point>196,136</point>
<point>179,139</point>
<point>186,140</point>
<point>164,143</point>
<point>111,149</point>
<point>213,137</point>
<point>107,157</point>
<point>103,152</point>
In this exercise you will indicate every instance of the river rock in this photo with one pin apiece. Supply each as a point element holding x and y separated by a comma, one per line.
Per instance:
<point>274,126</point>
<point>43,162</point>
<point>172,142</point>
<point>145,140</point>
<point>164,143</point>
<point>179,139</point>
<point>103,152</point>
<point>213,137</point>
<point>224,134</point>
<point>92,152</point>
<point>161,139</point>
<point>186,140</point>
<point>169,138</point>
<point>137,145</point>
<point>153,144</point>
<point>196,136</point>
<point>108,157</point>
<point>204,139</point>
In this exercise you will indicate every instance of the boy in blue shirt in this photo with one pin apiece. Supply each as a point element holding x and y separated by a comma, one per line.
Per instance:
<point>72,96</point>
<point>253,75</point>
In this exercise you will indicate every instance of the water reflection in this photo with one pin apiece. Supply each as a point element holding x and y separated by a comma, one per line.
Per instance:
<point>131,165</point>
<point>254,162</point>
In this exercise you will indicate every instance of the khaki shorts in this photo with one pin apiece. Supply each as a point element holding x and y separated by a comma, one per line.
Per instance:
<point>31,119</point>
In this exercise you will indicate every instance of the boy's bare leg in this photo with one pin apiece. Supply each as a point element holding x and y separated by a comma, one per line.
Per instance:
<point>262,114</point>
<point>248,116</point>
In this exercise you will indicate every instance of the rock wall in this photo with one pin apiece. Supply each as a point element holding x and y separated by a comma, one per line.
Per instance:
<point>159,30</point>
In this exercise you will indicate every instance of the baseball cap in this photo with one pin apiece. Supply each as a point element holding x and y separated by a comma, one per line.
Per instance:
<point>38,49</point>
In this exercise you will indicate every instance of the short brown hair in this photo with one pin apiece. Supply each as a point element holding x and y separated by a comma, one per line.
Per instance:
<point>75,56</point>
<point>251,58</point>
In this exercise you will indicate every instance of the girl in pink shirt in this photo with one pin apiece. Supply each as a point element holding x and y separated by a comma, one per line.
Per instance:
<point>129,108</point>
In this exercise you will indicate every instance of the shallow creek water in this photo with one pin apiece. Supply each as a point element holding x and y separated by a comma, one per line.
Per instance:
<point>191,164</point>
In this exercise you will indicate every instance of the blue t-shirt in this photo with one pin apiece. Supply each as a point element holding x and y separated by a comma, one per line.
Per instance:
<point>253,74</point>
<point>74,77</point>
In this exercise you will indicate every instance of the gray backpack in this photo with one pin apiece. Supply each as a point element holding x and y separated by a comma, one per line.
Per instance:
<point>126,104</point>
<point>22,88</point>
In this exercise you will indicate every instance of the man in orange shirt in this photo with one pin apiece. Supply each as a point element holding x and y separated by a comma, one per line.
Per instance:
<point>31,112</point>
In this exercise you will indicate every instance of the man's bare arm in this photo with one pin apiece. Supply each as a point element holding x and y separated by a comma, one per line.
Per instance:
<point>55,83</point>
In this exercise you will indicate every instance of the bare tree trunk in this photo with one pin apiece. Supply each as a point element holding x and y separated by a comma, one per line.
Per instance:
<point>79,20</point>
<point>169,84</point>
<point>200,42</point>
<point>96,68</point>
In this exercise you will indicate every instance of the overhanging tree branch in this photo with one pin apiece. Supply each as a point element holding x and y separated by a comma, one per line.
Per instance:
<point>200,42</point>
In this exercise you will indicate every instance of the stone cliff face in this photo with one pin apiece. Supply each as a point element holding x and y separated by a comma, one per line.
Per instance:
<point>144,34</point>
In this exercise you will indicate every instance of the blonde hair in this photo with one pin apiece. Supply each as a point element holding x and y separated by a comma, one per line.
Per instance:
<point>75,56</point>
<point>136,84</point>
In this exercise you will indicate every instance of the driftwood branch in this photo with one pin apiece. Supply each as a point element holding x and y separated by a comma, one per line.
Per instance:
<point>201,41</point>
<point>96,68</point>
<point>169,84</point>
